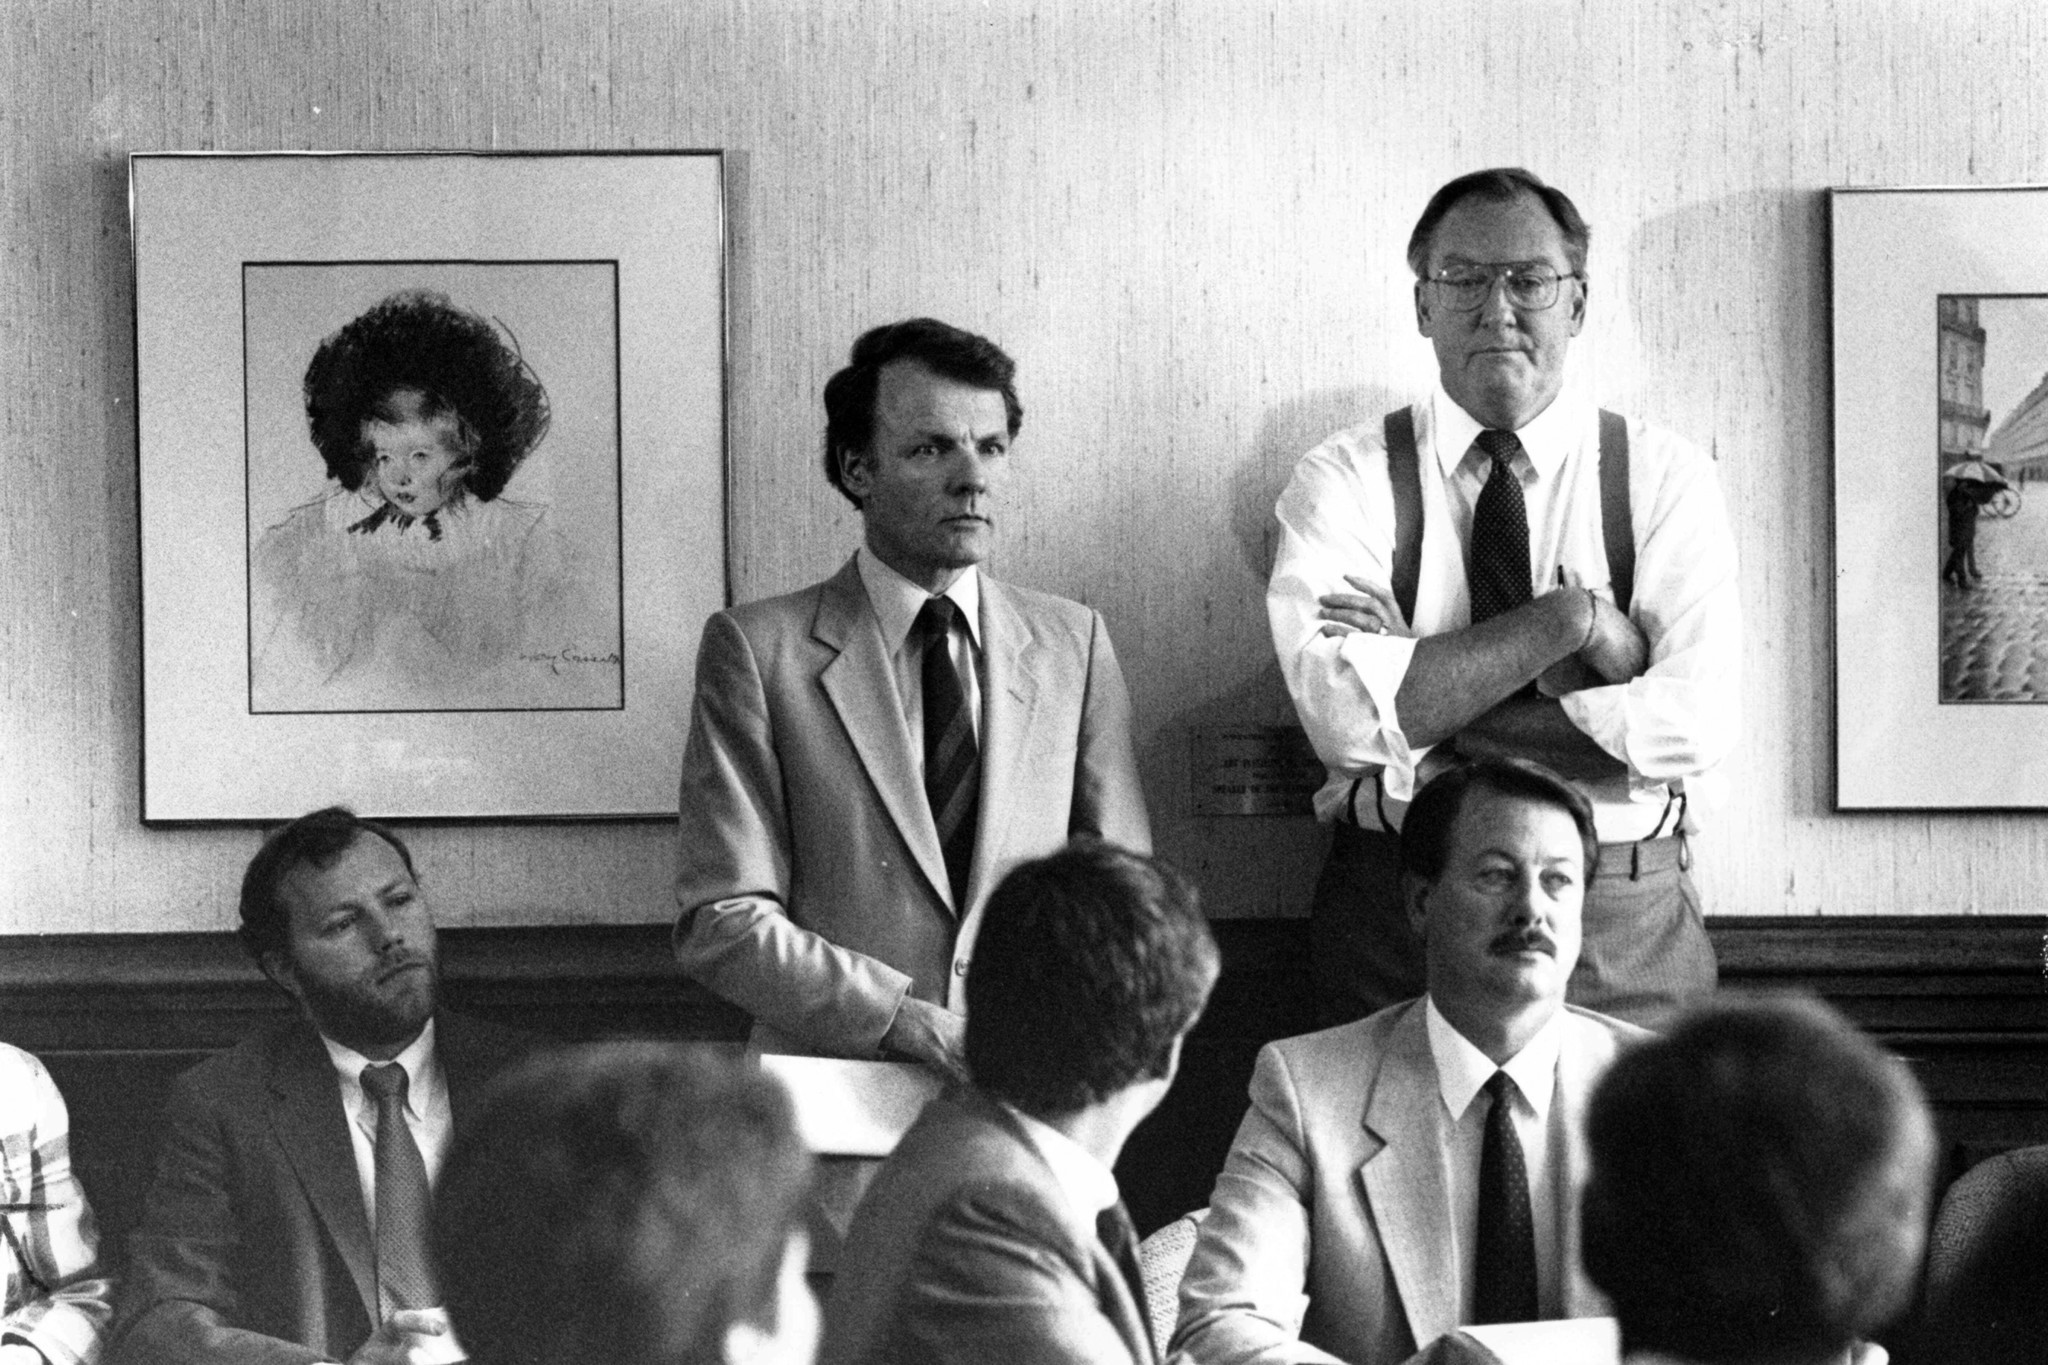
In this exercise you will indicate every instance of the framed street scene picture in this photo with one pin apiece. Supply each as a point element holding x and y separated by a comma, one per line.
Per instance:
<point>432,470</point>
<point>1941,497</point>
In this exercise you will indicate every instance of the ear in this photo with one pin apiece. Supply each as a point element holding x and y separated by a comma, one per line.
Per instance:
<point>1579,304</point>
<point>1421,308</point>
<point>856,471</point>
<point>278,967</point>
<point>1415,899</point>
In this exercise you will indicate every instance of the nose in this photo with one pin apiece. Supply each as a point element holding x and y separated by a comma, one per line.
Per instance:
<point>971,471</point>
<point>387,933</point>
<point>1526,903</point>
<point>1495,310</point>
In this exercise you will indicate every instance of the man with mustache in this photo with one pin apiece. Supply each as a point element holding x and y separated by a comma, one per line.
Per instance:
<point>1417,1170</point>
<point>287,1221</point>
<point>1502,568</point>
<point>868,756</point>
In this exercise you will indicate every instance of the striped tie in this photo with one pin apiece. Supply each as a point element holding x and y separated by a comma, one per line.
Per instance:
<point>952,762</point>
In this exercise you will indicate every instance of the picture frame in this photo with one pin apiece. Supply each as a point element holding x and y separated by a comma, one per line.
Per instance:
<point>432,478</point>
<point>1940,355</point>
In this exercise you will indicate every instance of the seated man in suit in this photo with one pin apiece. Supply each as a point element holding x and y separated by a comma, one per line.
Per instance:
<point>56,1302</point>
<point>1759,1188</point>
<point>1414,1171</point>
<point>995,1231</point>
<point>868,756</point>
<point>287,1220</point>
<point>652,1216</point>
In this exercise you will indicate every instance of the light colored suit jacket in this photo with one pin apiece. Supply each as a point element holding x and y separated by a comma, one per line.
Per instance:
<point>968,1251</point>
<point>254,1247</point>
<point>1330,1224</point>
<point>812,890</point>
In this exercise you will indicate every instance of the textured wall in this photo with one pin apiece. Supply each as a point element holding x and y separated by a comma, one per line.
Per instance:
<point>1184,219</point>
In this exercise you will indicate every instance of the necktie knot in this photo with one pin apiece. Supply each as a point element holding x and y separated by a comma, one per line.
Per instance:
<point>1501,1088</point>
<point>384,1081</point>
<point>1500,446</point>
<point>935,617</point>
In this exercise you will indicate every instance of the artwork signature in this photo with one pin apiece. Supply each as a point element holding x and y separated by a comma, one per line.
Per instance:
<point>570,655</point>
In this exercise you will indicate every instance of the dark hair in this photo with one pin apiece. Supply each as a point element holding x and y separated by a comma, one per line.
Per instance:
<point>943,349</point>
<point>1090,963</point>
<point>625,1203</point>
<point>1500,184</point>
<point>1759,1185</point>
<point>455,360</point>
<point>315,840</point>
<point>1432,818</point>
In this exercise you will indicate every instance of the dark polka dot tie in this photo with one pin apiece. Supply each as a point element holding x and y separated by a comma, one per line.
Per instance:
<point>1497,570</point>
<point>1504,1270</point>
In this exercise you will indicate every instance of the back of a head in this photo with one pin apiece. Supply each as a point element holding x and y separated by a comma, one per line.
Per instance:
<point>1759,1186</point>
<point>1089,965</point>
<point>624,1204</point>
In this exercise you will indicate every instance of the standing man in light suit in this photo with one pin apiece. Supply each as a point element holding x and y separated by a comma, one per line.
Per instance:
<point>868,756</point>
<point>1505,569</point>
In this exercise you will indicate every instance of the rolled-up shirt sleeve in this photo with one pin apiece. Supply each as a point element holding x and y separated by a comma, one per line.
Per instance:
<point>1680,717</point>
<point>1337,519</point>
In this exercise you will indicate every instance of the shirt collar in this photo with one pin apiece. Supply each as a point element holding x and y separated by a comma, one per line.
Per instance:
<point>1462,1070</point>
<point>422,1068</point>
<point>897,600</point>
<point>1546,439</point>
<point>1089,1185</point>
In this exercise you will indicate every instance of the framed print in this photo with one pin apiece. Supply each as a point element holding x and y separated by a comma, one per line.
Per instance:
<point>1941,497</point>
<point>432,469</point>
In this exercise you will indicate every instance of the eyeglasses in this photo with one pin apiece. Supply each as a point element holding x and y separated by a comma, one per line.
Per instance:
<point>1463,288</point>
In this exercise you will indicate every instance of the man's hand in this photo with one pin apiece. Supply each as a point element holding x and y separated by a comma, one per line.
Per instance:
<point>1370,608</point>
<point>398,1336</point>
<point>931,1034</point>
<point>1616,648</point>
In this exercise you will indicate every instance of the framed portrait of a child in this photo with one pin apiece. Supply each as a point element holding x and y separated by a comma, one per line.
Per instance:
<point>431,465</point>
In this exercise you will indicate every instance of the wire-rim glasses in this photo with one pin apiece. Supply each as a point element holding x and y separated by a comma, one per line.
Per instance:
<point>1462,288</point>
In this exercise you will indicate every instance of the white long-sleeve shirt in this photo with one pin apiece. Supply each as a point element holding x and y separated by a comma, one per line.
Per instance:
<point>1671,725</point>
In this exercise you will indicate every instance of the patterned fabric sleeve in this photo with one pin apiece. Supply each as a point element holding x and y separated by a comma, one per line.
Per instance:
<point>55,1302</point>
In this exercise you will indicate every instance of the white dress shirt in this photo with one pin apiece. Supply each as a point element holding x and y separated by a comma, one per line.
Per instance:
<point>1671,725</point>
<point>1462,1072</point>
<point>426,1109</point>
<point>897,601</point>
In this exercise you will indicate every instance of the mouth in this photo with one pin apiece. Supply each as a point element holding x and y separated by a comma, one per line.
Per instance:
<point>391,973</point>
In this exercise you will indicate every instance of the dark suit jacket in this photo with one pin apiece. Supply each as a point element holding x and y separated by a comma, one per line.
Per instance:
<point>1329,1231</point>
<point>967,1251</point>
<point>254,1247</point>
<point>811,886</point>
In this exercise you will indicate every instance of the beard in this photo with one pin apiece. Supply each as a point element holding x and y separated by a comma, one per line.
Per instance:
<point>369,1018</point>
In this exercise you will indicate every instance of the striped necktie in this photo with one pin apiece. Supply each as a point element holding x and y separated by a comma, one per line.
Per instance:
<point>952,761</point>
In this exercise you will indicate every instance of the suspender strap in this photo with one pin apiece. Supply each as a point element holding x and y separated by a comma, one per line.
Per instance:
<point>1614,511</point>
<point>1404,471</point>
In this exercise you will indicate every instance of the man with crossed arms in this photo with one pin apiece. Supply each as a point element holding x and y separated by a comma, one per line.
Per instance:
<point>1418,1171</point>
<point>1503,569</point>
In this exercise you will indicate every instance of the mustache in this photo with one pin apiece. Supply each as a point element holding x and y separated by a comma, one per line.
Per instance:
<point>1534,937</point>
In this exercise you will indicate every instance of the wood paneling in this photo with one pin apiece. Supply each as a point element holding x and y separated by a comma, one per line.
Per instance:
<point>1186,220</point>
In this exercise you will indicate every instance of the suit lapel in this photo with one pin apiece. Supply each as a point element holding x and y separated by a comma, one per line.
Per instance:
<point>1578,1064</point>
<point>1406,1191</point>
<point>1009,705</point>
<point>312,1131</point>
<point>861,685</point>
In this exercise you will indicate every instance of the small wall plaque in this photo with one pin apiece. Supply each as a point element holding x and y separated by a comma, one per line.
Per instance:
<point>1252,770</point>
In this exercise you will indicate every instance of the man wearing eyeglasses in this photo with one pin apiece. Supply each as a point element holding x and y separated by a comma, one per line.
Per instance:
<point>1502,568</point>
